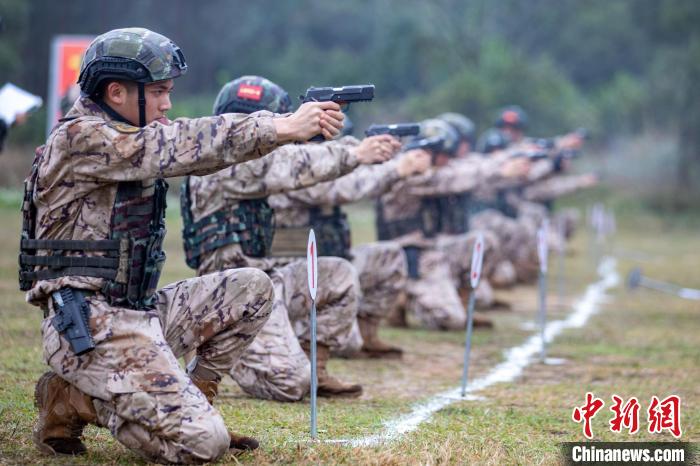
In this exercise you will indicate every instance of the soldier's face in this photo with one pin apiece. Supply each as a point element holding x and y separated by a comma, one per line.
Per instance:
<point>514,134</point>
<point>441,159</point>
<point>125,101</point>
<point>464,148</point>
<point>158,101</point>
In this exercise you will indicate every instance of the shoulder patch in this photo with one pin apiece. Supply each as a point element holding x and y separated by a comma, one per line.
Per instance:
<point>123,127</point>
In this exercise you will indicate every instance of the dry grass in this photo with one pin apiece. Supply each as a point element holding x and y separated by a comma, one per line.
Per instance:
<point>642,344</point>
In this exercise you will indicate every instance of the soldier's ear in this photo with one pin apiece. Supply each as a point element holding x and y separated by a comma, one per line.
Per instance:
<point>116,93</point>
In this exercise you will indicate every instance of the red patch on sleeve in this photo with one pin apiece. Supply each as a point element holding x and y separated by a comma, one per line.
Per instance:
<point>250,92</point>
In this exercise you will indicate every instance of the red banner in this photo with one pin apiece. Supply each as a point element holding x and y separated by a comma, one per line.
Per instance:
<point>66,56</point>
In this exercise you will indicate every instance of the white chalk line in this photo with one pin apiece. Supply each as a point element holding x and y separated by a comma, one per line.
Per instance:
<point>689,293</point>
<point>517,359</point>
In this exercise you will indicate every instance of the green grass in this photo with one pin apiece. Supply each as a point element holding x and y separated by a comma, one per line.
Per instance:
<point>640,344</point>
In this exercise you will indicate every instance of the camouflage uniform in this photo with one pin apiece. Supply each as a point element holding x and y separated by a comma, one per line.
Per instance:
<point>517,253</point>
<point>519,235</point>
<point>444,261</point>
<point>535,201</point>
<point>499,208</point>
<point>141,393</point>
<point>275,365</point>
<point>381,265</point>
<point>553,188</point>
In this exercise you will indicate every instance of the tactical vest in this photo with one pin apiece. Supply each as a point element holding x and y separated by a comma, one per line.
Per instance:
<point>132,258</point>
<point>332,231</point>
<point>251,224</point>
<point>454,213</point>
<point>413,261</point>
<point>428,221</point>
<point>502,204</point>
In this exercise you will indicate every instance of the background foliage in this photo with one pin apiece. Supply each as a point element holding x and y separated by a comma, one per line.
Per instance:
<point>619,68</point>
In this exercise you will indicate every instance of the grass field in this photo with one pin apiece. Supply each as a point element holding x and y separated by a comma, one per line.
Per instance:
<point>640,344</point>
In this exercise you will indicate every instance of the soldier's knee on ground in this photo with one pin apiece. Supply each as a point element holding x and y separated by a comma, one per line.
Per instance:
<point>484,294</point>
<point>442,316</point>
<point>207,440</point>
<point>290,383</point>
<point>503,275</point>
<point>192,432</point>
<point>354,343</point>
<point>450,323</point>
<point>285,387</point>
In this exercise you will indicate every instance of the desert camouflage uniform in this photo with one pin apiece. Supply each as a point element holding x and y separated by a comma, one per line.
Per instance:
<point>554,187</point>
<point>499,269</point>
<point>533,206</point>
<point>516,258</point>
<point>380,266</point>
<point>518,236</point>
<point>444,261</point>
<point>141,393</point>
<point>275,366</point>
<point>517,253</point>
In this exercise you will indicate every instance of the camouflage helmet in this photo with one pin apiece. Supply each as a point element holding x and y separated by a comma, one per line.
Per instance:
<point>249,94</point>
<point>129,54</point>
<point>491,141</point>
<point>513,116</point>
<point>464,126</point>
<point>433,127</point>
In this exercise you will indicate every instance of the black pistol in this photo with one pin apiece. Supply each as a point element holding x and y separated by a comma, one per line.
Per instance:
<point>433,144</point>
<point>344,95</point>
<point>72,319</point>
<point>398,130</point>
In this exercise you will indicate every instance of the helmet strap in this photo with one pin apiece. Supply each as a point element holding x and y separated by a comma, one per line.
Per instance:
<point>111,112</point>
<point>142,105</point>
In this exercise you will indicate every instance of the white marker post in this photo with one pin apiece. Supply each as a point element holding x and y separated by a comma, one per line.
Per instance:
<point>595,237</point>
<point>562,266</point>
<point>599,222</point>
<point>312,276</point>
<point>610,228</point>
<point>477,261</point>
<point>542,252</point>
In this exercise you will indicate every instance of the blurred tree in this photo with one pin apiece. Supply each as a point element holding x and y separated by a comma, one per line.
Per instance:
<point>14,14</point>
<point>674,84</point>
<point>616,67</point>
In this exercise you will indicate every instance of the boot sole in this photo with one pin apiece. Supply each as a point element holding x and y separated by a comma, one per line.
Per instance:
<point>39,404</point>
<point>340,395</point>
<point>380,355</point>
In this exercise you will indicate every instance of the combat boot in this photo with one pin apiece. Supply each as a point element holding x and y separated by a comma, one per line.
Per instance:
<point>397,317</point>
<point>481,321</point>
<point>329,386</point>
<point>372,346</point>
<point>64,411</point>
<point>208,383</point>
